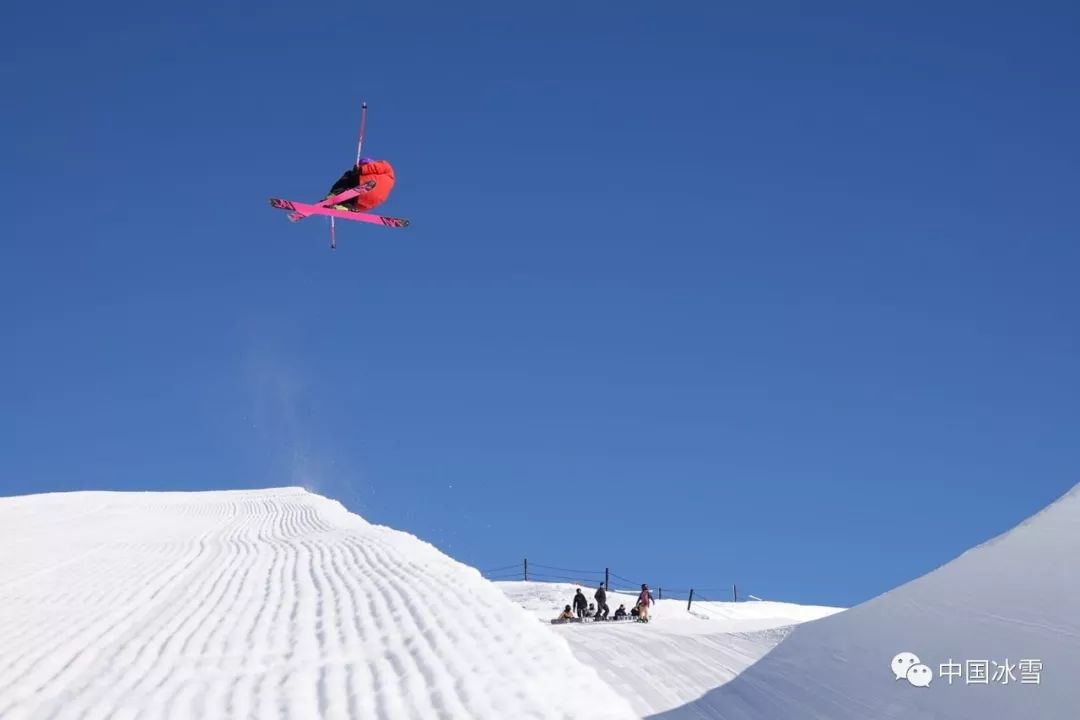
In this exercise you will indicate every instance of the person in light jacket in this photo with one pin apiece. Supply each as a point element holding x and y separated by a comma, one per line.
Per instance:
<point>644,600</point>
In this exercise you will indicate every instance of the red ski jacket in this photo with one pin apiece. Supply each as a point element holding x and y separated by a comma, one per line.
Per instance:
<point>383,174</point>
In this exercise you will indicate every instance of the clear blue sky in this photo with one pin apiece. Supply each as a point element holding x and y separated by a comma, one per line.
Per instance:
<point>778,296</point>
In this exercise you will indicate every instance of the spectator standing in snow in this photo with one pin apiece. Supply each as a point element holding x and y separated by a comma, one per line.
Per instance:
<point>580,603</point>
<point>644,600</point>
<point>602,608</point>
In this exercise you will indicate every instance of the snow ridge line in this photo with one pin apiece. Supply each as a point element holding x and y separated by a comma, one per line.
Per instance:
<point>267,605</point>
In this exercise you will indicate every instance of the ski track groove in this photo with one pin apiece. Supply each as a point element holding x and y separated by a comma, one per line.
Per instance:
<point>319,619</point>
<point>332,632</point>
<point>29,629</point>
<point>236,641</point>
<point>422,655</point>
<point>146,664</point>
<point>348,630</point>
<point>154,649</point>
<point>92,633</point>
<point>365,702</point>
<point>285,628</point>
<point>266,700</point>
<point>163,677</point>
<point>214,640</point>
<point>260,625</point>
<point>173,633</point>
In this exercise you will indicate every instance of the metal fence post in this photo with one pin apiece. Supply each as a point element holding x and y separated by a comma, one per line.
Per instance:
<point>526,568</point>
<point>690,600</point>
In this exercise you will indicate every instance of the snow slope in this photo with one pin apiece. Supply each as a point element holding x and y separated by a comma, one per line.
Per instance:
<point>678,656</point>
<point>1014,598</point>
<point>271,603</point>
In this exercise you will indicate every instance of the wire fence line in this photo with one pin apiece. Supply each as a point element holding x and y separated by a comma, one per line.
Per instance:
<point>533,571</point>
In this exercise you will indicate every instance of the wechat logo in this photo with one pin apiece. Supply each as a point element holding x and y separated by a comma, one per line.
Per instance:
<point>907,666</point>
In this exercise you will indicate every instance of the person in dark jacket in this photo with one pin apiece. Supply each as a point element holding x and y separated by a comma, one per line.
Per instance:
<point>620,613</point>
<point>602,608</point>
<point>580,604</point>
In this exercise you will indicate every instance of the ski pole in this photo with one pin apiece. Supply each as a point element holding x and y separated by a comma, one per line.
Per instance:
<point>360,140</point>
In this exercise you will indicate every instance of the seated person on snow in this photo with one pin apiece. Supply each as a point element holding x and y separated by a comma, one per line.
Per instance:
<point>566,614</point>
<point>367,169</point>
<point>620,613</point>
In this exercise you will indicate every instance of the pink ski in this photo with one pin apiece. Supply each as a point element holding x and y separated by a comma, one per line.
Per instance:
<point>337,199</point>
<point>301,210</point>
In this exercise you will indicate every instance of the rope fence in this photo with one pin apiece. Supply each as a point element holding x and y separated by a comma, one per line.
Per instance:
<point>612,582</point>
